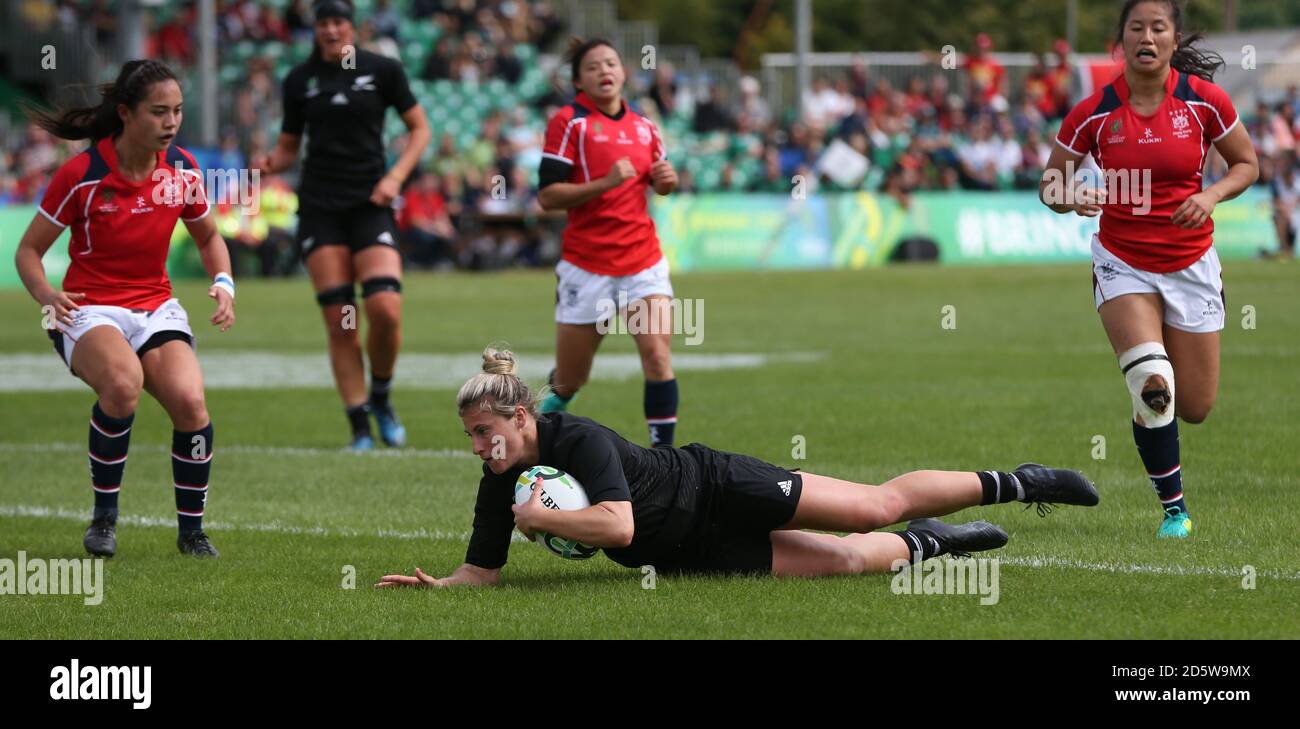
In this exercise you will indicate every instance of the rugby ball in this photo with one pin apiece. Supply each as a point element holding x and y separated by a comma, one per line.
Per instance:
<point>559,491</point>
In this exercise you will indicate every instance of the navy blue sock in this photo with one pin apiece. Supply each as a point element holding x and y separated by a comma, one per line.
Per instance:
<point>109,440</point>
<point>661,411</point>
<point>191,463</point>
<point>1159,450</point>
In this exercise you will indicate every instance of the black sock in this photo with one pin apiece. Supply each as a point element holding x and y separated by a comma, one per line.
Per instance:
<point>921,545</point>
<point>359,417</point>
<point>1158,448</point>
<point>1000,487</point>
<point>109,440</point>
<point>379,387</point>
<point>661,411</point>
<point>191,464</point>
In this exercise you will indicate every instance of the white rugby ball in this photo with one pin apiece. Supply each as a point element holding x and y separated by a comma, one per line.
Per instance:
<point>559,491</point>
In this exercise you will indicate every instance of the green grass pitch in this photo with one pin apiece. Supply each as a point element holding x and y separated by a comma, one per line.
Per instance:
<point>858,365</point>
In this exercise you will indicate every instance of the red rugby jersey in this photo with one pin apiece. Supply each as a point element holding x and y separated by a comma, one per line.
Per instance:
<point>1172,143</point>
<point>121,230</point>
<point>613,234</point>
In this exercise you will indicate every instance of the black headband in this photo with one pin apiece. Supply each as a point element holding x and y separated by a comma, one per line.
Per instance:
<point>333,9</point>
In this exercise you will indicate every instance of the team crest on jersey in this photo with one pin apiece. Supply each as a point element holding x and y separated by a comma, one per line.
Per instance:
<point>106,202</point>
<point>168,193</point>
<point>313,87</point>
<point>1182,127</point>
<point>1115,137</point>
<point>643,133</point>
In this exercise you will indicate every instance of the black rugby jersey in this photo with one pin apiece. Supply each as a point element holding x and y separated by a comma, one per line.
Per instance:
<point>662,483</point>
<point>342,112</point>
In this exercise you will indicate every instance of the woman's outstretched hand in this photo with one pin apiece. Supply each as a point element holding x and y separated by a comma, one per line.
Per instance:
<point>419,580</point>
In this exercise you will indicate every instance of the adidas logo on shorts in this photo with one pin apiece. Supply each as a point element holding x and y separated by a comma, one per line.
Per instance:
<point>785,486</point>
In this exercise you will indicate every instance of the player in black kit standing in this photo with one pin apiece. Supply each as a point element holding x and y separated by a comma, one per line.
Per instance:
<point>346,230</point>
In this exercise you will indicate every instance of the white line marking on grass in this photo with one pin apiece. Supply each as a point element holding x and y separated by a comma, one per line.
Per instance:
<point>1140,569</point>
<point>276,527</point>
<point>252,449</point>
<point>251,370</point>
<point>272,527</point>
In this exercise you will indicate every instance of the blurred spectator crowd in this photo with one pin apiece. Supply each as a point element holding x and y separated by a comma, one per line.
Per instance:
<point>474,64</point>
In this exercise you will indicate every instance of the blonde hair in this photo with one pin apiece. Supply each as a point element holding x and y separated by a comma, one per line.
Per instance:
<point>497,388</point>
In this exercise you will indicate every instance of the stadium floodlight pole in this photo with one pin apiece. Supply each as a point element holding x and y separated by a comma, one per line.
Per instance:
<point>1072,23</point>
<point>131,40</point>
<point>803,49</point>
<point>208,72</point>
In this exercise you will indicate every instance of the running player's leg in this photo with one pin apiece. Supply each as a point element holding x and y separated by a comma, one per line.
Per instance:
<point>830,504</point>
<point>1195,312</point>
<point>104,359</point>
<point>1195,357</point>
<point>654,342</point>
<point>330,268</point>
<point>650,320</point>
<point>1134,324</point>
<point>379,269</point>
<point>583,300</point>
<point>172,375</point>
<point>575,350</point>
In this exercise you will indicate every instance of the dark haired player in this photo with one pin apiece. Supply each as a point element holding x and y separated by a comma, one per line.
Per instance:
<point>116,324</point>
<point>346,230</point>
<point>600,160</point>
<point>1157,282</point>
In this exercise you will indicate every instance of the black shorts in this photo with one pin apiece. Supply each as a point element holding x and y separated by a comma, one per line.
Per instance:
<point>357,227</point>
<point>743,500</point>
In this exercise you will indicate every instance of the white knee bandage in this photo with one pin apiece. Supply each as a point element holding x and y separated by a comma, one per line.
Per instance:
<point>1155,406</point>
